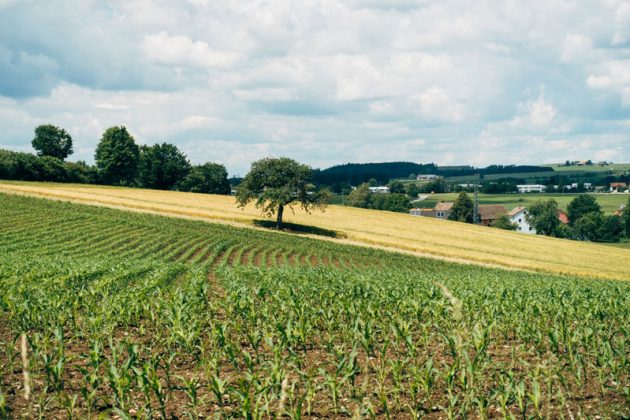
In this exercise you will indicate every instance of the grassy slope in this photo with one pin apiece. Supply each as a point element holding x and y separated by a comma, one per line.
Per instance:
<point>397,231</point>
<point>608,202</point>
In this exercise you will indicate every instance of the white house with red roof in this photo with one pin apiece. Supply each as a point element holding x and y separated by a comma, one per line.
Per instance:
<point>517,216</point>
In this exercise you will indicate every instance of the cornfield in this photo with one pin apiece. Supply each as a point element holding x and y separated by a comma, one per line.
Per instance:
<point>108,313</point>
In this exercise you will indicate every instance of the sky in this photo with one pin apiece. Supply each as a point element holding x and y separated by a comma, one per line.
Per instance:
<point>323,81</point>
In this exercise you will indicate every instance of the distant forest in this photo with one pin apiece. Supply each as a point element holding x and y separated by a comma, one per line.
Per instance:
<point>357,173</point>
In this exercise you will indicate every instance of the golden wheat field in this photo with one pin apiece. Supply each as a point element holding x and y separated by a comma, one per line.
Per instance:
<point>426,236</point>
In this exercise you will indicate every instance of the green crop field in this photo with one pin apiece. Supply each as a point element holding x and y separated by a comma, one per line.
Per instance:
<point>106,313</point>
<point>608,202</point>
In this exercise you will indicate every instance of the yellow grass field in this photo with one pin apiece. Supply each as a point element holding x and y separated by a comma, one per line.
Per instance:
<point>424,236</point>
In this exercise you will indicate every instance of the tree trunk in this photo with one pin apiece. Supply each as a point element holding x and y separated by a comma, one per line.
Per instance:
<point>279,220</point>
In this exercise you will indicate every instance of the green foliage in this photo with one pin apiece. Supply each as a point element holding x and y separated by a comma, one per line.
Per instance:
<point>162,166</point>
<point>596,227</point>
<point>276,183</point>
<point>360,197</point>
<point>580,206</point>
<point>412,189</point>
<point>504,222</point>
<point>543,216</point>
<point>209,178</point>
<point>462,210</point>
<point>396,187</point>
<point>390,202</point>
<point>117,157</point>
<point>363,198</point>
<point>133,315</point>
<point>80,172</point>
<point>52,141</point>
<point>435,186</point>
<point>588,226</point>
<point>28,167</point>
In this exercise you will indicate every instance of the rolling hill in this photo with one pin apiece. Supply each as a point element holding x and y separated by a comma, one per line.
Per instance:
<point>400,232</point>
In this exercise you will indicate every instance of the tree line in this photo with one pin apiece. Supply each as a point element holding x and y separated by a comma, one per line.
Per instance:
<point>587,221</point>
<point>338,176</point>
<point>119,160</point>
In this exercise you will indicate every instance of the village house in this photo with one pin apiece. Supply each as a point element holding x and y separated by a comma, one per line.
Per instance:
<point>440,211</point>
<point>490,213</point>
<point>429,177</point>
<point>426,211</point>
<point>517,216</point>
<point>618,186</point>
<point>443,210</point>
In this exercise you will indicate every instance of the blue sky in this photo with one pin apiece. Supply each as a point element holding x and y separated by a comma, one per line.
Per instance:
<point>322,81</point>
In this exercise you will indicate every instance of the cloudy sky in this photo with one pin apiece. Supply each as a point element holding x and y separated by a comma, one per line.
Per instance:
<point>323,81</point>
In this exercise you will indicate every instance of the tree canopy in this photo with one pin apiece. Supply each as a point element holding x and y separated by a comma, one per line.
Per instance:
<point>543,216</point>
<point>360,196</point>
<point>209,178</point>
<point>162,166</point>
<point>52,141</point>
<point>276,183</point>
<point>504,222</point>
<point>580,206</point>
<point>462,210</point>
<point>117,156</point>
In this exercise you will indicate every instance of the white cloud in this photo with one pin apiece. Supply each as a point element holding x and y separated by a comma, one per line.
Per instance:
<point>180,50</point>
<point>497,47</point>
<point>615,78</point>
<point>576,48</point>
<point>531,116</point>
<point>622,23</point>
<point>436,104</point>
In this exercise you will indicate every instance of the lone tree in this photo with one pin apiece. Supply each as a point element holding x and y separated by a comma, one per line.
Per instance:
<point>462,210</point>
<point>52,141</point>
<point>276,183</point>
<point>117,156</point>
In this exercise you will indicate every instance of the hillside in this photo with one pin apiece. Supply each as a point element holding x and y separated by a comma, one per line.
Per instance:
<point>423,236</point>
<point>116,314</point>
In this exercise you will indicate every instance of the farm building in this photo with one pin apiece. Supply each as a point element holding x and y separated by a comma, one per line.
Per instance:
<point>440,211</point>
<point>527,188</point>
<point>379,190</point>
<point>490,213</point>
<point>422,212</point>
<point>430,177</point>
<point>443,210</point>
<point>517,216</point>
